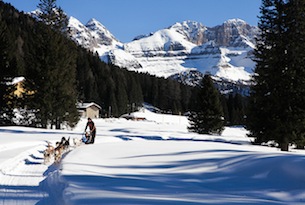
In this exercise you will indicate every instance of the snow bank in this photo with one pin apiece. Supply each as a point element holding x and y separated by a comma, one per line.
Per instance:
<point>145,114</point>
<point>181,169</point>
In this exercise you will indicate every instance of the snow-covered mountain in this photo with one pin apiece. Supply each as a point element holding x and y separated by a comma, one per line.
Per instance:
<point>93,36</point>
<point>225,51</point>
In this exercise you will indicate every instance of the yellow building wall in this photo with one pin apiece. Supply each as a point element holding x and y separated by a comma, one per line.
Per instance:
<point>93,112</point>
<point>20,90</point>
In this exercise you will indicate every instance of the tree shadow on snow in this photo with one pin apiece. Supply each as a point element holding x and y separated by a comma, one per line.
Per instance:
<point>159,138</point>
<point>131,137</point>
<point>240,178</point>
<point>10,194</point>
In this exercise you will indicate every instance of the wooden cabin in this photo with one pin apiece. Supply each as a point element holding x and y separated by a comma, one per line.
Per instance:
<point>91,110</point>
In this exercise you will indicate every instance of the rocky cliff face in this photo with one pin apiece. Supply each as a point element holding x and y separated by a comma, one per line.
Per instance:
<point>233,33</point>
<point>193,31</point>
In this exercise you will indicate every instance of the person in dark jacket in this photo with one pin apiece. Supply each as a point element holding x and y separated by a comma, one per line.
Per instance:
<point>92,129</point>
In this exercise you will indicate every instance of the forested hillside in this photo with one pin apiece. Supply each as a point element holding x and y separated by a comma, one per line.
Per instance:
<point>60,73</point>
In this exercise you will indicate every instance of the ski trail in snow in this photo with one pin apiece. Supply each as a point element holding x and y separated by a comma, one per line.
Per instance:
<point>21,174</point>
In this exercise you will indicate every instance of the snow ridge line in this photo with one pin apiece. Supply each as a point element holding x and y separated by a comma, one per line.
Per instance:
<point>10,165</point>
<point>54,184</point>
<point>27,169</point>
<point>21,173</point>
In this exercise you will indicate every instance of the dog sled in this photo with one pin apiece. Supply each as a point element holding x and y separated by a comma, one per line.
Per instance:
<point>85,139</point>
<point>56,152</point>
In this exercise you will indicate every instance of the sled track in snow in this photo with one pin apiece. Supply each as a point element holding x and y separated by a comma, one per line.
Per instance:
<point>22,176</point>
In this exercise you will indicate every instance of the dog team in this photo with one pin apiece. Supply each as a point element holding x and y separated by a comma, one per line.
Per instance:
<point>57,151</point>
<point>63,146</point>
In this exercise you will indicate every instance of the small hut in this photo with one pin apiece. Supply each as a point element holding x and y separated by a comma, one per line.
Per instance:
<point>91,110</point>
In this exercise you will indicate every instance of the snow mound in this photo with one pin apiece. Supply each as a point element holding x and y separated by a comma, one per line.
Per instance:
<point>145,114</point>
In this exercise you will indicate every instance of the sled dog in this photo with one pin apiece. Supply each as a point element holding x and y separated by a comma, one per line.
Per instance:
<point>48,153</point>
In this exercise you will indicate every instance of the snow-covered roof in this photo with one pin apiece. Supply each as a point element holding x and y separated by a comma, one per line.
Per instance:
<point>16,80</point>
<point>86,105</point>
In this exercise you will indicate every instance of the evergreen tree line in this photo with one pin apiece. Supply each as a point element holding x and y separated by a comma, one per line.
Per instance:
<point>277,101</point>
<point>59,73</point>
<point>118,91</point>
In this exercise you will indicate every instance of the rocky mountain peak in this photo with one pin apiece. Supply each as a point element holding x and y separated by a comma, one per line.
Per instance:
<point>94,25</point>
<point>188,26</point>
<point>101,33</point>
<point>235,22</point>
<point>192,30</point>
<point>233,33</point>
<point>81,35</point>
<point>240,27</point>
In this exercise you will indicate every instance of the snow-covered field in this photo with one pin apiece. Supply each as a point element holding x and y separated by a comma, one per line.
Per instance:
<point>156,161</point>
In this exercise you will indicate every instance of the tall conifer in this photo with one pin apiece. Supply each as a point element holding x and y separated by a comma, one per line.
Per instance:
<point>208,116</point>
<point>277,103</point>
<point>51,74</point>
<point>296,51</point>
<point>52,15</point>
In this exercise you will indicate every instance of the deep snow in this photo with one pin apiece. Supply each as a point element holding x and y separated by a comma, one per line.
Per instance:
<point>156,161</point>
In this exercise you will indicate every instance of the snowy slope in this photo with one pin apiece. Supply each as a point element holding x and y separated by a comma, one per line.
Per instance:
<point>156,161</point>
<point>158,44</point>
<point>93,36</point>
<point>225,51</point>
<point>161,54</point>
<point>81,34</point>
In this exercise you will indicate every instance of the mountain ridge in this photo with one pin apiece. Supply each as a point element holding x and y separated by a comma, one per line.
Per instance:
<point>225,51</point>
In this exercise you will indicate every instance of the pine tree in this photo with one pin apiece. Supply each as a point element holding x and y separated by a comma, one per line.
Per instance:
<point>277,103</point>
<point>296,52</point>
<point>52,15</point>
<point>51,74</point>
<point>48,11</point>
<point>208,116</point>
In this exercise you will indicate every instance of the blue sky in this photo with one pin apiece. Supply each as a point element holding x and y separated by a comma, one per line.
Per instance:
<point>127,19</point>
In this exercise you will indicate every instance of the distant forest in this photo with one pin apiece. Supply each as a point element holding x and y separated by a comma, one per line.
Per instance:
<point>29,48</point>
